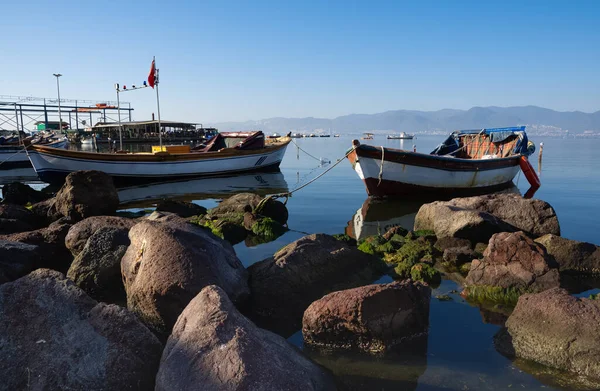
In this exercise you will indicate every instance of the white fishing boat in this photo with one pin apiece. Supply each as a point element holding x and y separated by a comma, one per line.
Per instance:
<point>400,136</point>
<point>13,155</point>
<point>467,160</point>
<point>225,153</point>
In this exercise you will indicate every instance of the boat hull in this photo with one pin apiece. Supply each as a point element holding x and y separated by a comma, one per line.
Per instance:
<point>410,172</point>
<point>15,156</point>
<point>53,166</point>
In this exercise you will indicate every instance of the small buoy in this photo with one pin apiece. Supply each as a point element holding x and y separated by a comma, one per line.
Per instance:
<point>529,172</point>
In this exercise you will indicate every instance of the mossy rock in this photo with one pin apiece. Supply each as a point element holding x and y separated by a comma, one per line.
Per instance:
<point>398,239</point>
<point>402,269</point>
<point>413,251</point>
<point>426,273</point>
<point>480,294</point>
<point>346,239</point>
<point>268,229</point>
<point>479,249</point>
<point>388,247</point>
<point>375,240</point>
<point>367,248</point>
<point>465,268</point>
<point>443,298</point>
<point>595,296</point>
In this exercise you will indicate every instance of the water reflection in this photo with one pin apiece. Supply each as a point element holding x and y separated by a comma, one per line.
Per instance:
<point>397,370</point>
<point>25,175</point>
<point>204,188</point>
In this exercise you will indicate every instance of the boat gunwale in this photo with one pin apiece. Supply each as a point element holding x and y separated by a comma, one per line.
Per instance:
<point>437,162</point>
<point>158,157</point>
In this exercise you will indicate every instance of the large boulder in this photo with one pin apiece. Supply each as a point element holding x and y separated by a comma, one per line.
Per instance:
<point>372,318</point>
<point>85,194</point>
<point>16,260</point>
<point>513,260</point>
<point>168,263</point>
<point>180,208</point>
<point>97,268</point>
<point>50,242</point>
<point>555,329</point>
<point>80,232</point>
<point>453,221</point>
<point>55,337</point>
<point>284,285</point>
<point>17,218</point>
<point>535,217</point>
<point>571,255</point>
<point>248,202</point>
<point>22,194</point>
<point>214,347</point>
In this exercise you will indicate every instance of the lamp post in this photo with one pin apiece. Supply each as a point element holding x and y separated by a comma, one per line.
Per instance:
<point>57,75</point>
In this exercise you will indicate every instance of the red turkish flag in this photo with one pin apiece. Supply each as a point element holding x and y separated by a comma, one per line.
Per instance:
<point>152,75</point>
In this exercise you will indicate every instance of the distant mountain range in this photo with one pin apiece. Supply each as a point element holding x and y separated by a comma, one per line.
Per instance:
<point>411,121</point>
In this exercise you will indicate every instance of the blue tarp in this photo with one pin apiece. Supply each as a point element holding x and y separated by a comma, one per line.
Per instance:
<point>497,135</point>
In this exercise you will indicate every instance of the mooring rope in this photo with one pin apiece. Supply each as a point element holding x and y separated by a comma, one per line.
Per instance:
<point>288,194</point>
<point>314,157</point>
<point>13,155</point>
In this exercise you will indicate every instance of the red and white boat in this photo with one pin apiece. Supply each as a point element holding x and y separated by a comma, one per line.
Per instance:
<point>483,159</point>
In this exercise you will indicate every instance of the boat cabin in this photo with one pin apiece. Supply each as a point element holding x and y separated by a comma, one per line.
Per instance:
<point>485,143</point>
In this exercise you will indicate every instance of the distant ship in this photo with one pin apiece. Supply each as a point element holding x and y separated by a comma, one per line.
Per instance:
<point>401,136</point>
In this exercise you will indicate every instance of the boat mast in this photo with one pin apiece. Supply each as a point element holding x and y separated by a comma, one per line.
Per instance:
<point>158,108</point>
<point>119,119</point>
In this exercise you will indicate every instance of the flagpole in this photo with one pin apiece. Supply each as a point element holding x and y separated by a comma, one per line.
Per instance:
<point>158,109</point>
<point>119,116</point>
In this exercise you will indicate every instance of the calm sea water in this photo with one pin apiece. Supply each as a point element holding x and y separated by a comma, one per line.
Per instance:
<point>459,353</point>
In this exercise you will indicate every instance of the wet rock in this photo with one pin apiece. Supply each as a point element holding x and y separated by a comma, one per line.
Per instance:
<point>371,318</point>
<point>97,268</point>
<point>80,232</point>
<point>555,329</point>
<point>21,194</point>
<point>214,347</point>
<point>85,194</point>
<point>55,337</point>
<point>450,242</point>
<point>168,263</point>
<point>180,208</point>
<point>16,260</point>
<point>452,221</point>
<point>455,257</point>
<point>513,260</point>
<point>50,242</point>
<point>10,226</point>
<point>284,285</point>
<point>535,217</point>
<point>571,255</point>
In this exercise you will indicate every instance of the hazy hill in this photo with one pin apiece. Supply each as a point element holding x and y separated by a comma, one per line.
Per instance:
<point>423,121</point>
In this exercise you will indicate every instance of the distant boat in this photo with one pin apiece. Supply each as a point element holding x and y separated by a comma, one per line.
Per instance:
<point>401,136</point>
<point>324,135</point>
<point>336,135</point>
<point>312,135</point>
<point>225,153</point>
<point>274,135</point>
<point>296,135</point>
<point>368,136</point>
<point>467,160</point>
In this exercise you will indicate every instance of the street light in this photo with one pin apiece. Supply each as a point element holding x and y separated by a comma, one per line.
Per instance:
<point>57,75</point>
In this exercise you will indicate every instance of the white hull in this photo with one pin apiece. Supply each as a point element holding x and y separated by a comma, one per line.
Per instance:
<point>46,164</point>
<point>433,177</point>
<point>15,156</point>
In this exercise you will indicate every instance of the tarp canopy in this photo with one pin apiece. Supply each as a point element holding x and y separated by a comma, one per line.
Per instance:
<point>496,135</point>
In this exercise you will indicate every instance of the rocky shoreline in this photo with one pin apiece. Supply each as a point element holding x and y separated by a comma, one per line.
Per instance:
<point>90,300</point>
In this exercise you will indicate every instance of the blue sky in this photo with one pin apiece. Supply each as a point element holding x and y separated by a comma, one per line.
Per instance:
<point>224,60</point>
